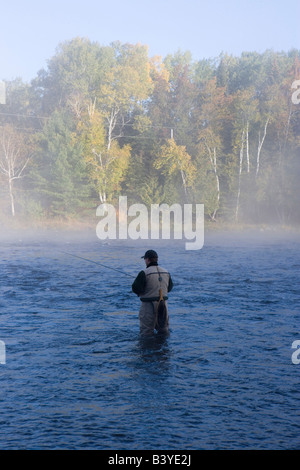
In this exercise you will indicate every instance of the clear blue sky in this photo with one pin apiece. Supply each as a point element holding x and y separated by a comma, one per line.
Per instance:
<point>30,30</point>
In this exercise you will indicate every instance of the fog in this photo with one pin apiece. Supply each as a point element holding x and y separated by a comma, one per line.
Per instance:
<point>230,237</point>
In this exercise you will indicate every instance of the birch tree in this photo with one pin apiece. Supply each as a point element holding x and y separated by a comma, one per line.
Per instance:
<point>14,158</point>
<point>212,113</point>
<point>261,139</point>
<point>174,159</point>
<point>126,84</point>
<point>245,105</point>
<point>106,164</point>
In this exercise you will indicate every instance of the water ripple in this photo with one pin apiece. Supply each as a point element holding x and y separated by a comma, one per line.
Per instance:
<point>79,376</point>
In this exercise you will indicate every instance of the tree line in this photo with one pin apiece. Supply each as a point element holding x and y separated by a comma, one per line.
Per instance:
<point>103,121</point>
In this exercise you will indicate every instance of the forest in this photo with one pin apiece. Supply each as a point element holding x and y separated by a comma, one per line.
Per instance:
<point>103,121</point>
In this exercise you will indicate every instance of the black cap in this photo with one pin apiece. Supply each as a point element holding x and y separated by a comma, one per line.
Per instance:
<point>150,254</point>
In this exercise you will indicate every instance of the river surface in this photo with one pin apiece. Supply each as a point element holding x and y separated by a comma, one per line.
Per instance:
<point>79,376</point>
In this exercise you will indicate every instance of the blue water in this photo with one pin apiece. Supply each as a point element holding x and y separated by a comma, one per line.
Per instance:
<point>78,375</point>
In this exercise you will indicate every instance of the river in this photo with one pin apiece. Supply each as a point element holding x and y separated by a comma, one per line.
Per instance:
<point>77,374</point>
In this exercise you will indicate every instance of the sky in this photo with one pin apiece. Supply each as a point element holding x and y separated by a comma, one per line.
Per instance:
<point>31,30</point>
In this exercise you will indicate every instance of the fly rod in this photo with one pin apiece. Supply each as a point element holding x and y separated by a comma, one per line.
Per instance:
<point>96,262</point>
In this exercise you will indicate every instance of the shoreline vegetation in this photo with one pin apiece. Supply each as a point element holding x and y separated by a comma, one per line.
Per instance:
<point>102,121</point>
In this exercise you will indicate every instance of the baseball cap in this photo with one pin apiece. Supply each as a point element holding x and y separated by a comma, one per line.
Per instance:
<point>150,254</point>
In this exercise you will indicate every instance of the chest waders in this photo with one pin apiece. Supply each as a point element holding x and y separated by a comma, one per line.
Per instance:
<point>161,311</point>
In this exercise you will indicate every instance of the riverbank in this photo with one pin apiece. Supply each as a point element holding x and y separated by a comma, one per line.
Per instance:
<point>55,229</point>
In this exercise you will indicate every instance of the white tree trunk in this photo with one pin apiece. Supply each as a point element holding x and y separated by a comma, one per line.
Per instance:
<point>183,181</point>
<point>92,108</point>
<point>213,161</point>
<point>102,196</point>
<point>240,174</point>
<point>11,195</point>
<point>112,121</point>
<point>247,147</point>
<point>12,159</point>
<point>259,147</point>
<point>217,182</point>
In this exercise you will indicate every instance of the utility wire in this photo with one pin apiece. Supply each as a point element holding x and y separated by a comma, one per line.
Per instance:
<point>29,116</point>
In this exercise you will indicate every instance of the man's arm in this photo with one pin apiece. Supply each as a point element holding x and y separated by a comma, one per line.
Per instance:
<point>170,286</point>
<point>139,283</point>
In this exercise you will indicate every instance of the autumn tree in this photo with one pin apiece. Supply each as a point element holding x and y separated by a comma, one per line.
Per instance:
<point>245,105</point>
<point>211,114</point>
<point>126,84</point>
<point>175,161</point>
<point>106,164</point>
<point>222,131</point>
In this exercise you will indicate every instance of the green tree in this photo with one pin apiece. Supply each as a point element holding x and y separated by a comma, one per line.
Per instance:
<point>73,76</point>
<point>58,175</point>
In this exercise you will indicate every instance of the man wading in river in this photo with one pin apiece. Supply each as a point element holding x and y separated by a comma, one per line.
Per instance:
<point>152,285</point>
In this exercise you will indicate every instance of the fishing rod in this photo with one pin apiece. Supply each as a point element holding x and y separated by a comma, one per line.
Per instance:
<point>96,262</point>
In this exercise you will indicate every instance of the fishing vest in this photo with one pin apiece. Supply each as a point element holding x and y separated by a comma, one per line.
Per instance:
<point>156,278</point>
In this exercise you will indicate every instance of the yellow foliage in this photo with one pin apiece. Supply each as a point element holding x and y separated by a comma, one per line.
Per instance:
<point>174,158</point>
<point>158,68</point>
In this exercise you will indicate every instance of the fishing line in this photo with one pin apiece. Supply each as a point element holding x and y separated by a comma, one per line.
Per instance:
<point>97,262</point>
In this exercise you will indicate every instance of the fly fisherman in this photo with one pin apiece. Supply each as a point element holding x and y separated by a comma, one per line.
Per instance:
<point>152,285</point>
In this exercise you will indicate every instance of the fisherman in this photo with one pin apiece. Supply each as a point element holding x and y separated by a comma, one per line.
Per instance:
<point>152,285</point>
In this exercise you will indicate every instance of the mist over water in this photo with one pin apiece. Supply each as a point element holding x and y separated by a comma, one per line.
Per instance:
<point>78,375</point>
